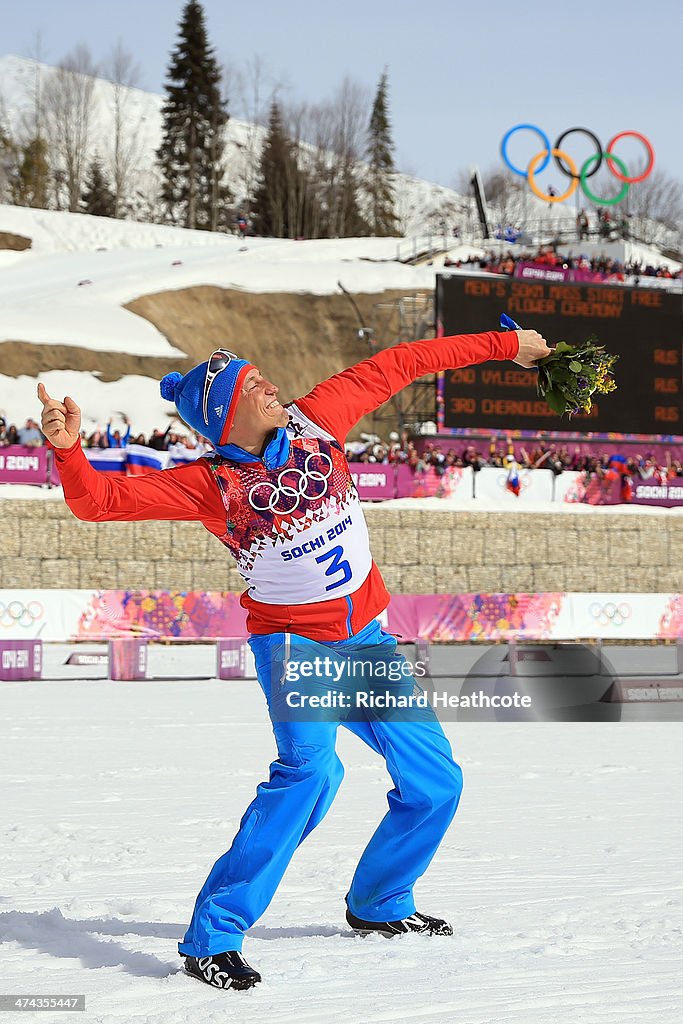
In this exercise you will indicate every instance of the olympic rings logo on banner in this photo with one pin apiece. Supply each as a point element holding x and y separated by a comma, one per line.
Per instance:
<point>566,165</point>
<point>282,490</point>
<point>18,614</point>
<point>610,614</point>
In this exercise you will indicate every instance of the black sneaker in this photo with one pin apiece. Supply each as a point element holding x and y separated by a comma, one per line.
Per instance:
<point>223,970</point>
<point>415,923</point>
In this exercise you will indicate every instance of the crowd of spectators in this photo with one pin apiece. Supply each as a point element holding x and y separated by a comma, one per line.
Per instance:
<point>547,256</point>
<point>396,451</point>
<point>169,440</point>
<point>558,458</point>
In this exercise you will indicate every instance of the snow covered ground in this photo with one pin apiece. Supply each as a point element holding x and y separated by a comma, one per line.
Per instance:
<point>561,874</point>
<point>75,297</point>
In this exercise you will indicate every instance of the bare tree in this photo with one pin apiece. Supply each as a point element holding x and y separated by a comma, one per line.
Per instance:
<point>8,154</point>
<point>653,203</point>
<point>504,192</point>
<point>33,115</point>
<point>331,139</point>
<point>68,105</point>
<point>253,88</point>
<point>349,113</point>
<point>125,146</point>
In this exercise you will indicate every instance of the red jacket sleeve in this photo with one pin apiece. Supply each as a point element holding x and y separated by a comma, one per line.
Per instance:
<point>182,493</point>
<point>339,402</point>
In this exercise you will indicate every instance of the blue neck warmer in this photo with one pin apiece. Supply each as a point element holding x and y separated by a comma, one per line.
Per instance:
<point>275,455</point>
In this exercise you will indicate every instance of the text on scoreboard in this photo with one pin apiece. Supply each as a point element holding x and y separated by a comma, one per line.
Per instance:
<point>640,325</point>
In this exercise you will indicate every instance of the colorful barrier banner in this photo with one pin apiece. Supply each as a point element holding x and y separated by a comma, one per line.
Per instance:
<point>530,271</point>
<point>24,464</point>
<point>20,659</point>
<point>71,615</point>
<point>668,495</point>
<point>374,482</point>
<point>127,658</point>
<point>455,483</point>
<point>234,660</point>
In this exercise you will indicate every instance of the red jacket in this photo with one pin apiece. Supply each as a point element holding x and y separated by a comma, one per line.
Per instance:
<point>191,493</point>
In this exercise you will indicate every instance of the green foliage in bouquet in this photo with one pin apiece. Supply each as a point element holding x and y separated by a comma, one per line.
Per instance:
<point>570,376</point>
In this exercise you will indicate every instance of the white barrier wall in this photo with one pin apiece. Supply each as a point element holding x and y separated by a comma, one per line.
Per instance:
<point>536,486</point>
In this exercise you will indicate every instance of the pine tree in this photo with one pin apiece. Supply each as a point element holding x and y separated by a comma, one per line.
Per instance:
<point>194,119</point>
<point>32,177</point>
<point>381,169</point>
<point>98,196</point>
<point>276,176</point>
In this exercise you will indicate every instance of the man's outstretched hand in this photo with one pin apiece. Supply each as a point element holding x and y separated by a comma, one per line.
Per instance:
<point>532,346</point>
<point>60,421</point>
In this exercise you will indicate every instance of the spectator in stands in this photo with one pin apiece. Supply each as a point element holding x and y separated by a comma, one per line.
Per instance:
<point>96,440</point>
<point>30,435</point>
<point>11,436</point>
<point>472,458</point>
<point>114,439</point>
<point>581,224</point>
<point>159,440</point>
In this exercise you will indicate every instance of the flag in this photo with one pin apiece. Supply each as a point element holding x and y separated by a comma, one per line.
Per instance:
<point>512,483</point>
<point>141,459</point>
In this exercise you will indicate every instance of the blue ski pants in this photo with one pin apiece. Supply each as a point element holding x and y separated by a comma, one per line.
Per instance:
<point>302,785</point>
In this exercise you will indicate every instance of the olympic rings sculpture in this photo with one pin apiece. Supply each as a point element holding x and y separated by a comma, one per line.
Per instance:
<point>566,165</point>
<point>610,614</point>
<point>283,490</point>
<point>16,613</point>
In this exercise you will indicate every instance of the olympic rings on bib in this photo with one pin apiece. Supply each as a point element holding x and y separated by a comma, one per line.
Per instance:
<point>268,497</point>
<point>566,165</point>
<point>16,613</point>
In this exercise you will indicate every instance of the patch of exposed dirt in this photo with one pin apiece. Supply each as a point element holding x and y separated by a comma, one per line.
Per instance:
<point>295,339</point>
<point>19,358</point>
<point>16,242</point>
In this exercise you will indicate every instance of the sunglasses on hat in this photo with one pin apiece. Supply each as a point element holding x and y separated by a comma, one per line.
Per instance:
<point>217,362</point>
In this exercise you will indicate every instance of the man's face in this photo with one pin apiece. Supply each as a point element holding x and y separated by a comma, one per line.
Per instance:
<point>258,410</point>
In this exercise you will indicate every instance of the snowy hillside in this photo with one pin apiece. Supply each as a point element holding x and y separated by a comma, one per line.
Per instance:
<point>421,206</point>
<point>65,292</point>
<point>71,287</point>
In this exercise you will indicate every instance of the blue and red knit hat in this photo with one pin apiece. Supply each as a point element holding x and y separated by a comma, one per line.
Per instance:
<point>206,397</point>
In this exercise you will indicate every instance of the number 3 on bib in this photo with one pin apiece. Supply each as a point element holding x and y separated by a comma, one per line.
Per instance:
<point>337,564</point>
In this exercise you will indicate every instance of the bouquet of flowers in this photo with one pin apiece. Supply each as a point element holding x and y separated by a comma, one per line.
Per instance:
<point>570,376</point>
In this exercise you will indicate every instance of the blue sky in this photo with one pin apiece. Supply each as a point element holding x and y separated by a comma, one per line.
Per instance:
<point>461,72</point>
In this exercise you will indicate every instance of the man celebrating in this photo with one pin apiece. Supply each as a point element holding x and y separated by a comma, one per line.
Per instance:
<point>277,493</point>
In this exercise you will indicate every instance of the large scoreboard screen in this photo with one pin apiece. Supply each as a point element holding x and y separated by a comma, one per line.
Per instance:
<point>641,325</point>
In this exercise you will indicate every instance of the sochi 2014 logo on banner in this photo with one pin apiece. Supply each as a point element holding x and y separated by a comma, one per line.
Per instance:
<point>567,166</point>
